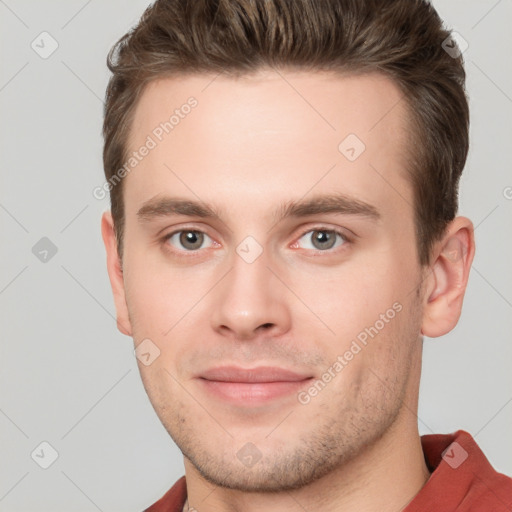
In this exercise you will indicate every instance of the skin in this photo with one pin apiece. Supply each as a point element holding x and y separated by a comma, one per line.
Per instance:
<point>250,145</point>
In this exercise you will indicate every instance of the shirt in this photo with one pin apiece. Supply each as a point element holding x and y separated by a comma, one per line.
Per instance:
<point>462,480</point>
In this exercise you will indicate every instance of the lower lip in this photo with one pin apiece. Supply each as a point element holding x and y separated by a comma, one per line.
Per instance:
<point>252,393</point>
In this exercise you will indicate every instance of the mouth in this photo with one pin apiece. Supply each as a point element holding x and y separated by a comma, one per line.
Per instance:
<point>253,386</point>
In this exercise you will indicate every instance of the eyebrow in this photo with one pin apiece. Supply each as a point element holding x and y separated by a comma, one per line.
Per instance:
<point>159,207</point>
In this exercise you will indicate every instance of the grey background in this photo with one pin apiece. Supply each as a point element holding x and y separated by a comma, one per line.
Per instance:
<point>70,378</point>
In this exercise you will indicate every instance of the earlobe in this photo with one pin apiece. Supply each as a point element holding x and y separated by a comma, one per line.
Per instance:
<point>448,278</point>
<point>115,273</point>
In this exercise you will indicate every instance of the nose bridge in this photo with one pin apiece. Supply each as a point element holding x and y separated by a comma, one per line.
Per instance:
<point>249,296</point>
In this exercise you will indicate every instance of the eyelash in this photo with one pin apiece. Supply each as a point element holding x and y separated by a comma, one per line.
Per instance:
<point>195,253</point>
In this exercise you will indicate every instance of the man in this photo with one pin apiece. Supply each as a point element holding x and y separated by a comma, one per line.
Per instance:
<point>283,233</point>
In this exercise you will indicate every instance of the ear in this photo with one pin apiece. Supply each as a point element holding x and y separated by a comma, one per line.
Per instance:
<point>448,277</point>
<point>115,273</point>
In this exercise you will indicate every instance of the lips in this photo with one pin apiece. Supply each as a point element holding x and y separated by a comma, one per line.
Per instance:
<point>251,387</point>
<point>252,375</point>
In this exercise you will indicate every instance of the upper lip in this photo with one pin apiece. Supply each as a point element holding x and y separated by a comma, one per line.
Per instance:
<point>258,374</point>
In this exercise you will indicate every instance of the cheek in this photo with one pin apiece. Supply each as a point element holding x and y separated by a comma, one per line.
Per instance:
<point>350,298</point>
<point>365,314</point>
<point>146,306</point>
<point>156,299</point>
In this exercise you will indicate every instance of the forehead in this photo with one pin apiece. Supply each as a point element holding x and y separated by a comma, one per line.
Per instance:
<point>274,133</point>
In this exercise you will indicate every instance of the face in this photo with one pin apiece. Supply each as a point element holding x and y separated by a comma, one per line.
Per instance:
<point>272,226</point>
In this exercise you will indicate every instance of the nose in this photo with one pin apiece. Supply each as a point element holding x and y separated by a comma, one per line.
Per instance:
<point>250,301</point>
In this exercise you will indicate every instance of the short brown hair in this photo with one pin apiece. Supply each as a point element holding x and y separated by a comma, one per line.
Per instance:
<point>403,39</point>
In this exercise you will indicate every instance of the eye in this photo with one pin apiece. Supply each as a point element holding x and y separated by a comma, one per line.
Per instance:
<point>321,239</point>
<point>190,239</point>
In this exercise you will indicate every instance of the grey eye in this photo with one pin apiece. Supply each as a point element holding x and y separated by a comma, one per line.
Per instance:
<point>188,239</point>
<point>323,239</point>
